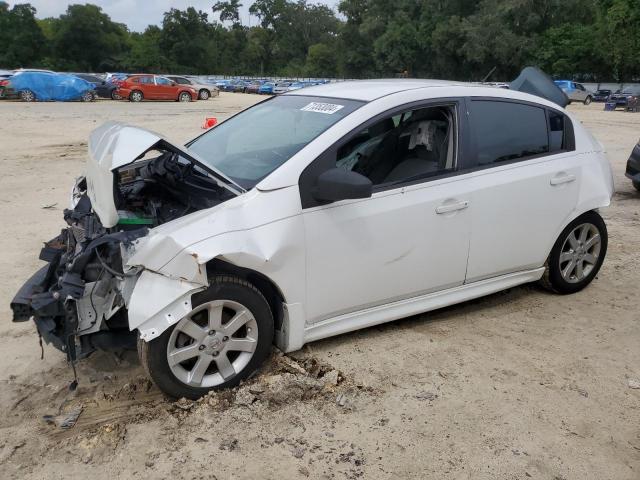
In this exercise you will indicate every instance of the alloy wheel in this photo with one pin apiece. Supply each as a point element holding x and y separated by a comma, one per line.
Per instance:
<point>204,95</point>
<point>580,253</point>
<point>136,96</point>
<point>184,97</point>
<point>212,344</point>
<point>27,96</point>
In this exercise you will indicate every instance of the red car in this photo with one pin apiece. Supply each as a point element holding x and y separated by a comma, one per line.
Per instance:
<point>154,87</point>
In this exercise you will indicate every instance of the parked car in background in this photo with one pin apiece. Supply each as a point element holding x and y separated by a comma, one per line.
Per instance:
<point>266,88</point>
<point>628,98</point>
<point>281,87</point>
<point>601,95</point>
<point>205,91</point>
<point>33,86</point>
<point>155,87</point>
<point>5,75</point>
<point>575,91</point>
<point>254,86</point>
<point>103,88</point>
<point>296,86</point>
<point>633,167</point>
<point>374,205</point>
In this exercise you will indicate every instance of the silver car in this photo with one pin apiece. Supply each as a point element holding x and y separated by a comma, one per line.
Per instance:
<point>575,91</point>
<point>205,90</point>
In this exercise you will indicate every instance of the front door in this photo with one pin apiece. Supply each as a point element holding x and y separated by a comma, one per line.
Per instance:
<point>411,237</point>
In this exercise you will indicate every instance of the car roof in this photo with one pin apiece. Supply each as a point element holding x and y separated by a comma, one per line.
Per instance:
<point>370,90</point>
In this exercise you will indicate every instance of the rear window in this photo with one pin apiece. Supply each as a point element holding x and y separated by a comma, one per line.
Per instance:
<point>506,131</point>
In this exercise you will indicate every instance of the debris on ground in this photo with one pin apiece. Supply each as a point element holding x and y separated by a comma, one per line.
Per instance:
<point>426,396</point>
<point>65,421</point>
<point>635,384</point>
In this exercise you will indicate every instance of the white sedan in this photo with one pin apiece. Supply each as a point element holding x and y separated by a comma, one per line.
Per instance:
<point>312,214</point>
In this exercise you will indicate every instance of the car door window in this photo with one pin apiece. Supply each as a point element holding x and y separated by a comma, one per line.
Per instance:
<point>506,131</point>
<point>404,147</point>
<point>165,82</point>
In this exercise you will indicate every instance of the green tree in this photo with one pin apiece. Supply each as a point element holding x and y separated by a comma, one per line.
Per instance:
<point>87,39</point>
<point>22,40</point>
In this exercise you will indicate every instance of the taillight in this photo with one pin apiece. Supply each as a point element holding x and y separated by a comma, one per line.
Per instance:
<point>4,83</point>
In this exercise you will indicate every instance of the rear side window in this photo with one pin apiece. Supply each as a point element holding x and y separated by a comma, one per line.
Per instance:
<point>506,131</point>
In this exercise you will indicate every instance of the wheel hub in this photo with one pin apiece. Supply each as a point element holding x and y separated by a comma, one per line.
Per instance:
<point>212,344</point>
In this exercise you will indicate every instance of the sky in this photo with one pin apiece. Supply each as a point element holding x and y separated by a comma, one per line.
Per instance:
<point>137,14</point>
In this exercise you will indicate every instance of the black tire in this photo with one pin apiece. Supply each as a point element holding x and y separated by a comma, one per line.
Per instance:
<point>136,96</point>
<point>552,278</point>
<point>587,100</point>
<point>87,97</point>
<point>204,94</point>
<point>115,96</point>
<point>153,354</point>
<point>184,97</point>
<point>636,185</point>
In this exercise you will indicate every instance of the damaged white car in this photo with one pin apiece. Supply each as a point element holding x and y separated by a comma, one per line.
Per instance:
<point>316,213</point>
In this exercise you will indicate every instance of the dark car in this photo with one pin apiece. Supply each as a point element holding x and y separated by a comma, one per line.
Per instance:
<point>253,87</point>
<point>103,89</point>
<point>601,95</point>
<point>633,167</point>
<point>628,98</point>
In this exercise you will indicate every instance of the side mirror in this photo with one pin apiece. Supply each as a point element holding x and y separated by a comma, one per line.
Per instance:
<point>340,184</point>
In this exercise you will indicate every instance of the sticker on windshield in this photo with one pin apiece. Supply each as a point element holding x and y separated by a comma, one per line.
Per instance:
<point>328,108</point>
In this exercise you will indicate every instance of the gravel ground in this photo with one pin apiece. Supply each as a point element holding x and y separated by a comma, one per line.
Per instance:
<point>521,384</point>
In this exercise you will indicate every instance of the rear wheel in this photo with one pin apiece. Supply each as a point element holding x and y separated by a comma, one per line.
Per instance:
<point>222,341</point>
<point>184,97</point>
<point>577,255</point>
<point>27,96</point>
<point>204,94</point>
<point>115,96</point>
<point>587,100</point>
<point>87,97</point>
<point>136,96</point>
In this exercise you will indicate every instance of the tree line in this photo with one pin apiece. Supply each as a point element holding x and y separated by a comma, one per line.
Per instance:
<point>597,40</point>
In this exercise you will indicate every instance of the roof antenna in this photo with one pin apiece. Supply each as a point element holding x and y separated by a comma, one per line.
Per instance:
<point>488,76</point>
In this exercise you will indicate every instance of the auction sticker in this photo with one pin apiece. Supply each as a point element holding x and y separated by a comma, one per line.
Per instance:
<point>328,108</point>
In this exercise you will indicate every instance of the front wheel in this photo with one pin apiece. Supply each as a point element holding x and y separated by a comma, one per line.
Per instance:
<point>577,255</point>
<point>115,96</point>
<point>204,94</point>
<point>184,97</point>
<point>587,100</point>
<point>222,341</point>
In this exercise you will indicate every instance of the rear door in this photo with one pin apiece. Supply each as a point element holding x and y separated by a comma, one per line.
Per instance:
<point>525,185</point>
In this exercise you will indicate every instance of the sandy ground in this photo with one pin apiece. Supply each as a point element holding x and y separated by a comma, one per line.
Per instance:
<point>521,384</point>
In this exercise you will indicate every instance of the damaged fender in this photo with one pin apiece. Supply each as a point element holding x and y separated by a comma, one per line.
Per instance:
<point>241,232</point>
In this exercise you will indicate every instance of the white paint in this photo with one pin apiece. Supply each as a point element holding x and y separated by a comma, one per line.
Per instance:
<point>362,262</point>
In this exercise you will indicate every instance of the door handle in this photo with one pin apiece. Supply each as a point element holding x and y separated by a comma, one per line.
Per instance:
<point>451,207</point>
<point>561,178</point>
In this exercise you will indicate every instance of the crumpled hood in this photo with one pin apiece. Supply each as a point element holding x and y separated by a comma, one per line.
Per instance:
<point>114,145</point>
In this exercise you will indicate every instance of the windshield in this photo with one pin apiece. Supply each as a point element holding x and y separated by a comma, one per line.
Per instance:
<point>252,144</point>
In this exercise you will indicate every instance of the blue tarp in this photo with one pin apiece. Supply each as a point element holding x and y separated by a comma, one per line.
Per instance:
<point>51,86</point>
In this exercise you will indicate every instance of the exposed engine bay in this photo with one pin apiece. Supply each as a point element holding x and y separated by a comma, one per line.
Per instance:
<point>79,299</point>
